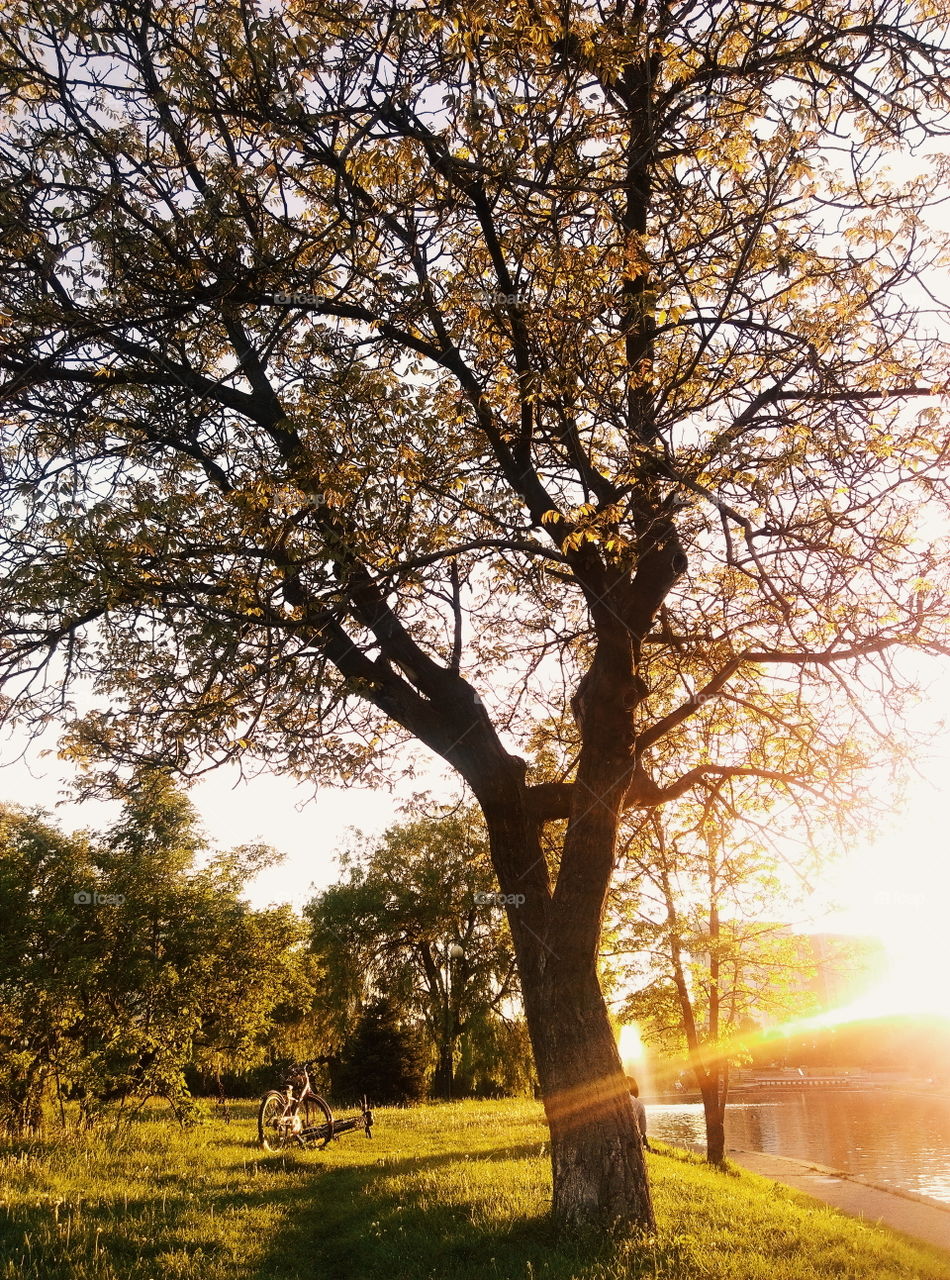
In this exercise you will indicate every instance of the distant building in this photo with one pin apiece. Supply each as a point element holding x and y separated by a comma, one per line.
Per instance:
<point>835,969</point>
<point>848,965</point>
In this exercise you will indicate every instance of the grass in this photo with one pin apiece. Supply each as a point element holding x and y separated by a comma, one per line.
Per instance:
<point>457,1191</point>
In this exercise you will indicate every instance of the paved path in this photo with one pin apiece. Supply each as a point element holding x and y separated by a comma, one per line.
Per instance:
<point>915,1215</point>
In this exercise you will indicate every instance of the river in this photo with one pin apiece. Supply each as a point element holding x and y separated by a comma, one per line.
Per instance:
<point>891,1138</point>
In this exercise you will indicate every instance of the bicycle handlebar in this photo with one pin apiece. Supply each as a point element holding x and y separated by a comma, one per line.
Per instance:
<point>364,1105</point>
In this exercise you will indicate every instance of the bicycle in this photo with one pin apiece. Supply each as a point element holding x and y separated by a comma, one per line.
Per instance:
<point>285,1118</point>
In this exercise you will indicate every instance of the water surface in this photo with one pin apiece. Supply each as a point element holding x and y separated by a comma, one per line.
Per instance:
<point>892,1138</point>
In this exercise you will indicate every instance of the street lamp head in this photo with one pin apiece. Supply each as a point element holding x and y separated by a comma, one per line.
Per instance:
<point>456,951</point>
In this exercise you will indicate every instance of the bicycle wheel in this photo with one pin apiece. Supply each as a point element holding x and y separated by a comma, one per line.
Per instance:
<point>275,1121</point>
<point>316,1112</point>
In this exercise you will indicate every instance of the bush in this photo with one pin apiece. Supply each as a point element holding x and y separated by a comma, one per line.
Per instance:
<point>384,1059</point>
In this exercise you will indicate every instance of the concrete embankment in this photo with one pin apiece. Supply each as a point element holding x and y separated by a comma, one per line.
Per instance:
<point>913,1214</point>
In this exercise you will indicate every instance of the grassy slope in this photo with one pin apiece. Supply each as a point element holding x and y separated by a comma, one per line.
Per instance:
<point>453,1192</point>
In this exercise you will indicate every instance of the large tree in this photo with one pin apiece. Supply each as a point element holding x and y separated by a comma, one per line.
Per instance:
<point>379,372</point>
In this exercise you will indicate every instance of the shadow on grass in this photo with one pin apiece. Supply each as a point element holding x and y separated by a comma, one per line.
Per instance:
<point>378,1220</point>
<point>168,1232</point>
<point>364,1225</point>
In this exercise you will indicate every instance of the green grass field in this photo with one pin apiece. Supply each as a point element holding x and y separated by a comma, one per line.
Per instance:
<point>451,1192</point>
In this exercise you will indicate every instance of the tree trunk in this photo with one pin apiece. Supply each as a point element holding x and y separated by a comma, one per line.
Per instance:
<point>713,1104</point>
<point>599,1172</point>
<point>443,1080</point>
<point>24,1103</point>
<point>598,1168</point>
<point>715,1118</point>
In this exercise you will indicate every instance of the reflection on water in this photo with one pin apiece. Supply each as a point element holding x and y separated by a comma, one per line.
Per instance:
<point>893,1138</point>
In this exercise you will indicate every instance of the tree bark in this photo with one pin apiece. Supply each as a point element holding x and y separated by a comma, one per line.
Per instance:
<point>599,1172</point>
<point>23,1110</point>
<point>443,1081</point>
<point>713,1103</point>
<point>598,1168</point>
<point>714,1113</point>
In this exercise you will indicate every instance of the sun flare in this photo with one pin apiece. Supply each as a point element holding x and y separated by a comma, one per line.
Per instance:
<point>632,1048</point>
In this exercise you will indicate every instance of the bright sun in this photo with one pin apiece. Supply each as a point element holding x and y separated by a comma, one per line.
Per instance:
<point>898,890</point>
<point>915,982</point>
<point>631,1046</point>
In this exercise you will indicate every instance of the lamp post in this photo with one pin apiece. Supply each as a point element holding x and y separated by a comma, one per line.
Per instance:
<point>453,951</point>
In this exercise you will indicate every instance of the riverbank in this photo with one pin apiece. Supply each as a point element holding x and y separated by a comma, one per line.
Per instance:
<point>906,1211</point>
<point>458,1190</point>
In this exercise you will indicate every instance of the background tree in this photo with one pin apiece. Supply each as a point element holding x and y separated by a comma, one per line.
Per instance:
<point>376,373</point>
<point>188,970</point>
<point>48,954</point>
<point>495,1060</point>
<point>410,921</point>
<point>109,1002</point>
<point>708,964</point>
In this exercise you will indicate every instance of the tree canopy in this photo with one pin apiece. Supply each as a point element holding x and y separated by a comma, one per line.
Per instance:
<point>122,962</point>
<point>503,387</point>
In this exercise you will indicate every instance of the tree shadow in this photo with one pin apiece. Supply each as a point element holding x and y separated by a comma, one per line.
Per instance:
<point>362,1226</point>
<point>318,1221</point>
<point>166,1232</point>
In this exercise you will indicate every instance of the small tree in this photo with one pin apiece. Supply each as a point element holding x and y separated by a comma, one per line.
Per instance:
<point>691,921</point>
<point>384,1058</point>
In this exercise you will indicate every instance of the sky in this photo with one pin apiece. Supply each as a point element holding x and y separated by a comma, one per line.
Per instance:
<point>307,829</point>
